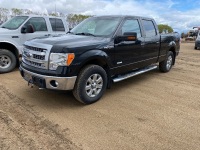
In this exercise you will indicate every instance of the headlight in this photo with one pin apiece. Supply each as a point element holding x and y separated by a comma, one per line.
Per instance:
<point>60,59</point>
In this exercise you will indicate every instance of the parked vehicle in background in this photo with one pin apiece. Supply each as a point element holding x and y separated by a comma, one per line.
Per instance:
<point>96,53</point>
<point>197,42</point>
<point>19,29</point>
<point>192,34</point>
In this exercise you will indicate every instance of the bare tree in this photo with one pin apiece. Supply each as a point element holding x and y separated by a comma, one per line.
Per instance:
<point>16,11</point>
<point>3,14</point>
<point>74,19</point>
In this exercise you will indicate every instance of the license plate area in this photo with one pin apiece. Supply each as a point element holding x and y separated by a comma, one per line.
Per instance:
<point>27,77</point>
<point>38,81</point>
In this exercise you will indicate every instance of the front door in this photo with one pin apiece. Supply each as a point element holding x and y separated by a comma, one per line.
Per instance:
<point>39,26</point>
<point>128,54</point>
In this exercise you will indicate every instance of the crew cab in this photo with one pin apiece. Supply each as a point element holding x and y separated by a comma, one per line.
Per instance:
<point>19,29</point>
<point>96,53</point>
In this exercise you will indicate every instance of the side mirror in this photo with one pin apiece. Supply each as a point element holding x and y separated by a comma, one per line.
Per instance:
<point>23,29</point>
<point>127,36</point>
<point>27,29</point>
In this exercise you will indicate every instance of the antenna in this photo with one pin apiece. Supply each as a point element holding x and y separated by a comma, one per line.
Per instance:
<point>55,19</point>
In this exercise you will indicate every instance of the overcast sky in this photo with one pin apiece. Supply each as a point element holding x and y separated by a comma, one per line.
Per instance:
<point>180,14</point>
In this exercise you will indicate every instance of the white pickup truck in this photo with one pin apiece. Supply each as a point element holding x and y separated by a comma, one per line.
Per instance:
<point>19,29</point>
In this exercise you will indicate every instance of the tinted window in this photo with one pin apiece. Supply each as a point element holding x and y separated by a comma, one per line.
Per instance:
<point>57,24</point>
<point>38,23</point>
<point>131,26</point>
<point>149,28</point>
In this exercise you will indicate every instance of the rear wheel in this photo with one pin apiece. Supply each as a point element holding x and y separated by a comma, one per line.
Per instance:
<point>8,61</point>
<point>195,47</point>
<point>91,84</point>
<point>166,65</point>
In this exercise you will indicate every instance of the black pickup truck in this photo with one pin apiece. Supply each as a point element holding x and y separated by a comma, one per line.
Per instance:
<point>96,53</point>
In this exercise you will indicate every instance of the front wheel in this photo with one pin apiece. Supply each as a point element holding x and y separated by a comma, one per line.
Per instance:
<point>91,84</point>
<point>166,65</point>
<point>8,61</point>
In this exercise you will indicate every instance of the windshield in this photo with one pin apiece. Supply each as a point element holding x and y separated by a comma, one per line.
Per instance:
<point>14,23</point>
<point>97,26</point>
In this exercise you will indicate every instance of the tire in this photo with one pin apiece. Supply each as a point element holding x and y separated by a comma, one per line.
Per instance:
<point>195,47</point>
<point>8,61</point>
<point>91,84</point>
<point>166,65</point>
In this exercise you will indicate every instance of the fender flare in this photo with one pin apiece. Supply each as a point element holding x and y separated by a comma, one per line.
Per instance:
<point>94,55</point>
<point>11,43</point>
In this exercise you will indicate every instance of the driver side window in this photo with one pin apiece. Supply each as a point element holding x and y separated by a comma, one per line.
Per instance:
<point>38,24</point>
<point>131,25</point>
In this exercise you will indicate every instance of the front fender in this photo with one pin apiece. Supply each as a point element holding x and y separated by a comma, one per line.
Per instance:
<point>11,42</point>
<point>94,55</point>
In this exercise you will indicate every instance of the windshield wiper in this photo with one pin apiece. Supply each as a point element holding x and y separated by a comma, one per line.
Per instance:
<point>85,33</point>
<point>70,32</point>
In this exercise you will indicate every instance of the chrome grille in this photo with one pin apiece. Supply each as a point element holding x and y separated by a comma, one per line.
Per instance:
<point>35,49</point>
<point>36,55</point>
<point>40,57</point>
<point>32,63</point>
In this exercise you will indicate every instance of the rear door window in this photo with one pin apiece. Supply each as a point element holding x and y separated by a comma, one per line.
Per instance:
<point>57,24</point>
<point>149,28</point>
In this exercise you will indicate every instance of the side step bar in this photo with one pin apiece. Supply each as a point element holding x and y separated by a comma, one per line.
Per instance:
<point>134,73</point>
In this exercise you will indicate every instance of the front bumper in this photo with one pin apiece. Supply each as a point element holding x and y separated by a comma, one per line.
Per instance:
<point>48,82</point>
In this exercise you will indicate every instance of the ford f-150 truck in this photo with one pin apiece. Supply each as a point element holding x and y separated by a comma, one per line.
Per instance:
<point>96,53</point>
<point>17,30</point>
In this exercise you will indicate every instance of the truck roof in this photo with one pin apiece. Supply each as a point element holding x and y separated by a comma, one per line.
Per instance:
<point>41,16</point>
<point>125,16</point>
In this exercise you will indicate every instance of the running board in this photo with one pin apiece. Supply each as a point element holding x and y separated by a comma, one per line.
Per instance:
<point>134,73</point>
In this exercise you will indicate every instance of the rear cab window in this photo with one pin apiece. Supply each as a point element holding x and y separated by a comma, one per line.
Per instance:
<point>57,25</point>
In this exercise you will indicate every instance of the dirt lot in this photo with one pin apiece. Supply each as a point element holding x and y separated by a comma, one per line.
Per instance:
<point>151,111</point>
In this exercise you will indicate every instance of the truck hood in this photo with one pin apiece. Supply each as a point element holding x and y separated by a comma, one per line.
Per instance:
<point>4,31</point>
<point>69,42</point>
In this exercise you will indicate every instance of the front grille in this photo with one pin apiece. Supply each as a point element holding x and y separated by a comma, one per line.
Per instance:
<point>32,63</point>
<point>40,57</point>
<point>35,48</point>
<point>36,56</point>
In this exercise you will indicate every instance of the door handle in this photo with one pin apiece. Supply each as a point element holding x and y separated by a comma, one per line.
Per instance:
<point>47,34</point>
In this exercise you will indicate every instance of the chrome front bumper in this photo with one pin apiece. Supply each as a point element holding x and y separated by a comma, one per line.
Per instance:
<point>50,82</point>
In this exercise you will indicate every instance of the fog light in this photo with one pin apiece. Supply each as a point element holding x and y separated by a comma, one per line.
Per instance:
<point>54,83</point>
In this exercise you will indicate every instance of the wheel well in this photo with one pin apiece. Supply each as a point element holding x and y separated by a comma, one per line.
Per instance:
<point>173,51</point>
<point>9,47</point>
<point>103,64</point>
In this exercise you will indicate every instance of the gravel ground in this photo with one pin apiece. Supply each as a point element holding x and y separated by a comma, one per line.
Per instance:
<point>150,111</point>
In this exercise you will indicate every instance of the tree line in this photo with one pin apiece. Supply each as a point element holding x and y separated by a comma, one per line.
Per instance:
<point>72,19</point>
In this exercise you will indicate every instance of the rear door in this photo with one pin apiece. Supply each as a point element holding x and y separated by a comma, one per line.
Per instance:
<point>152,41</point>
<point>57,25</point>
